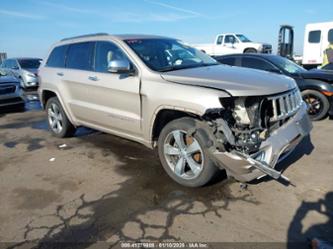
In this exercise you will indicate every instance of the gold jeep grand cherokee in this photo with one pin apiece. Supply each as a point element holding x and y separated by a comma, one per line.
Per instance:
<point>201,116</point>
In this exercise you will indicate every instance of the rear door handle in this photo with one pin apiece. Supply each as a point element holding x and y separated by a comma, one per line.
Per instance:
<point>60,74</point>
<point>93,78</point>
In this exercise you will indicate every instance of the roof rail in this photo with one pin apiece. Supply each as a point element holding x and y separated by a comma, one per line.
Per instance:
<point>82,36</point>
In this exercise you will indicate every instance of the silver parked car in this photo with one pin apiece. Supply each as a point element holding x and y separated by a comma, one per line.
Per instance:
<point>200,115</point>
<point>10,92</point>
<point>25,69</point>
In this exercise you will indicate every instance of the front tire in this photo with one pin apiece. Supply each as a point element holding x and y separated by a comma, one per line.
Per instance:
<point>59,124</point>
<point>185,156</point>
<point>318,104</point>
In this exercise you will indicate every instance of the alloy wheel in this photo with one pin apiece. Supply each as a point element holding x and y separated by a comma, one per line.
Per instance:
<point>315,104</point>
<point>183,154</point>
<point>55,118</point>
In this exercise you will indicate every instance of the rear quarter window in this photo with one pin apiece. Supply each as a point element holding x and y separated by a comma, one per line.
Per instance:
<point>57,57</point>
<point>228,61</point>
<point>330,36</point>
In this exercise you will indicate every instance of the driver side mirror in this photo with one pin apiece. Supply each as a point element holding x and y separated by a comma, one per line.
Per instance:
<point>119,66</point>
<point>15,67</point>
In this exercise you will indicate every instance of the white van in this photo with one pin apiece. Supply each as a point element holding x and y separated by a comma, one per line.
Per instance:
<point>315,42</point>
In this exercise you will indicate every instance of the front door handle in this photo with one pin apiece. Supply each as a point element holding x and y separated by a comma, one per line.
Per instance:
<point>60,74</point>
<point>93,78</point>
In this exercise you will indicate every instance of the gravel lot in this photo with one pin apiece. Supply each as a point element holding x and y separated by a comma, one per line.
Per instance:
<point>97,187</point>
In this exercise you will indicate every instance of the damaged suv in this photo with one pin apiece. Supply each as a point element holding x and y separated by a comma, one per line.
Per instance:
<point>200,115</point>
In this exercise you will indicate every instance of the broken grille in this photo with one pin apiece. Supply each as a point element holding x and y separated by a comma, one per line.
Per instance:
<point>285,105</point>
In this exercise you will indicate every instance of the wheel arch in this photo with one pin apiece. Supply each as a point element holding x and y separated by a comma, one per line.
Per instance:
<point>315,84</point>
<point>250,48</point>
<point>165,115</point>
<point>46,94</point>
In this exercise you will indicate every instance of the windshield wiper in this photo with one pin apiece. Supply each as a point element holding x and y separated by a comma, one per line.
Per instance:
<point>174,68</point>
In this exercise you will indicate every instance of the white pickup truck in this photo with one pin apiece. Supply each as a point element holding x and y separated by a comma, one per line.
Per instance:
<point>231,43</point>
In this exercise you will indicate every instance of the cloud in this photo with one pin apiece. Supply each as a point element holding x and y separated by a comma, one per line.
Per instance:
<point>132,17</point>
<point>168,6</point>
<point>20,14</point>
<point>121,16</point>
<point>67,8</point>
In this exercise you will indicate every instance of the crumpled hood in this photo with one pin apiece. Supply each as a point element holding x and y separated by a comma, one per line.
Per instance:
<point>235,80</point>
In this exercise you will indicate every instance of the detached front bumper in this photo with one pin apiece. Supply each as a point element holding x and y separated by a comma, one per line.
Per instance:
<point>273,150</point>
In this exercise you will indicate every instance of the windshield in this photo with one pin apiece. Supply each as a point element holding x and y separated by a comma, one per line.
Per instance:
<point>328,67</point>
<point>243,38</point>
<point>287,65</point>
<point>30,63</point>
<point>167,54</point>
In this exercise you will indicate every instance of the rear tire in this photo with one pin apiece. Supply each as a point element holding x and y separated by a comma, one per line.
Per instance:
<point>59,124</point>
<point>318,104</point>
<point>185,158</point>
<point>250,50</point>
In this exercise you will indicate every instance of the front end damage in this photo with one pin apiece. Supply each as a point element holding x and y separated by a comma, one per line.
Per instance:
<point>252,134</point>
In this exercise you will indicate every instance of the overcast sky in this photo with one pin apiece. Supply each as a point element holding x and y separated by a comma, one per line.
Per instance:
<point>29,27</point>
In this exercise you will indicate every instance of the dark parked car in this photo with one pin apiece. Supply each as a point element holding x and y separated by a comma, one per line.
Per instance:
<point>328,67</point>
<point>10,92</point>
<point>316,85</point>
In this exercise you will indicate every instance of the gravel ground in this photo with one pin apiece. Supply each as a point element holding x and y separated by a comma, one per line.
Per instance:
<point>98,187</point>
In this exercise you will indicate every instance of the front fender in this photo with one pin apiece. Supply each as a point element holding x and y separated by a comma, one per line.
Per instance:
<point>314,84</point>
<point>188,99</point>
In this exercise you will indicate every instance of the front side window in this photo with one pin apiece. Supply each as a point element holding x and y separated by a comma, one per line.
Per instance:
<point>57,57</point>
<point>80,56</point>
<point>257,64</point>
<point>106,52</point>
<point>168,54</point>
<point>28,63</point>
<point>230,39</point>
<point>287,65</point>
<point>314,36</point>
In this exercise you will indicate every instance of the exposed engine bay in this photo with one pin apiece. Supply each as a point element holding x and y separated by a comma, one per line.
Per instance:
<point>243,132</point>
<point>245,122</point>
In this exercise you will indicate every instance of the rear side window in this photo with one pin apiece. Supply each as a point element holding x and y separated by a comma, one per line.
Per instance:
<point>256,64</point>
<point>57,57</point>
<point>314,36</point>
<point>219,40</point>
<point>330,36</point>
<point>80,56</point>
<point>228,61</point>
